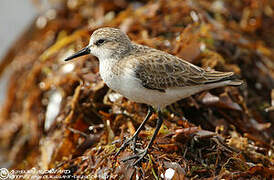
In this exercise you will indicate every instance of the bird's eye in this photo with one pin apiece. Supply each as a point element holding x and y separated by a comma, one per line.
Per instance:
<point>99,42</point>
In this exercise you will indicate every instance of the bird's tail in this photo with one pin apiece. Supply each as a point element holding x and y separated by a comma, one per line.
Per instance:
<point>229,77</point>
<point>236,82</point>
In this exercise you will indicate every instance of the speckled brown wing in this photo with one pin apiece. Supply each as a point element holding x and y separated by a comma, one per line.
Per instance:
<point>159,71</point>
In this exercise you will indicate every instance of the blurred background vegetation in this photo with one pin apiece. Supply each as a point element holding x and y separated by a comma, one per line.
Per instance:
<point>61,115</point>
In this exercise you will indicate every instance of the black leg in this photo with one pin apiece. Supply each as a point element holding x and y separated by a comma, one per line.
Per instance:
<point>158,126</point>
<point>133,138</point>
<point>142,154</point>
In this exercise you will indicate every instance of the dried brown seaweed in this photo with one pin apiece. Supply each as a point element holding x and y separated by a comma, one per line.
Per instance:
<point>61,115</point>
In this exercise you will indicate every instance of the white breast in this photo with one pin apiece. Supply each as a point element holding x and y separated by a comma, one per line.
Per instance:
<point>125,83</point>
<point>106,74</point>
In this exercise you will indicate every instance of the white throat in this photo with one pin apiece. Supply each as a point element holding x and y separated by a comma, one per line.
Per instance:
<point>102,55</point>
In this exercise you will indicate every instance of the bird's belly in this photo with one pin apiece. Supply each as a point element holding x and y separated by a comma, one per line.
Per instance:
<point>154,98</point>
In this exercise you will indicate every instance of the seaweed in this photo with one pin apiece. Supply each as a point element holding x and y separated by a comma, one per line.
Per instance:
<point>62,116</point>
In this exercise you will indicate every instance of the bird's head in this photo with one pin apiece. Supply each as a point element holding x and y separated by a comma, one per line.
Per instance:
<point>106,43</point>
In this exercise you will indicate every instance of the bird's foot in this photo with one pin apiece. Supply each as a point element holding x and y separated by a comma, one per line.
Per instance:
<point>128,141</point>
<point>139,156</point>
<point>133,144</point>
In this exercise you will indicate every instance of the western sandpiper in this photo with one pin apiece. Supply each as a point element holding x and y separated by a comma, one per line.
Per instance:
<point>149,76</point>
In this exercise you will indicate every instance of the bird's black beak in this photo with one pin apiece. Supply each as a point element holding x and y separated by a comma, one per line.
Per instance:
<point>82,52</point>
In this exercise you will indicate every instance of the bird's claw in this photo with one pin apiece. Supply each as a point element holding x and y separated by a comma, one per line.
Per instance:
<point>140,156</point>
<point>133,145</point>
<point>131,141</point>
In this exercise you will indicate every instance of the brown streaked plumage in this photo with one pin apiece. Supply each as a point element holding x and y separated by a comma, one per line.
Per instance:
<point>159,70</point>
<point>149,76</point>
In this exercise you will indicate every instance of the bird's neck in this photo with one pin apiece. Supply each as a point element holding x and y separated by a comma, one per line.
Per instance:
<point>121,52</point>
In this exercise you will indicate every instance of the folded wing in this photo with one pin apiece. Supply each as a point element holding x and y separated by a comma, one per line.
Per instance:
<point>160,71</point>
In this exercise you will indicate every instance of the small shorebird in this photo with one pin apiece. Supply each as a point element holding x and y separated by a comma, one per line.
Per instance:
<point>147,75</point>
